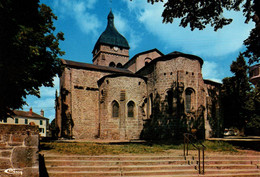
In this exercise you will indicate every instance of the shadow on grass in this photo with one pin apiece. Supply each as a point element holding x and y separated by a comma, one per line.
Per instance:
<point>248,145</point>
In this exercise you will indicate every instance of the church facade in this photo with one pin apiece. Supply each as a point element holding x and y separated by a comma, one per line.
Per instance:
<point>150,96</point>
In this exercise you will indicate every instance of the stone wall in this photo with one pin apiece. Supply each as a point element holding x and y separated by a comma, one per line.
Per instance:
<point>107,54</point>
<point>122,89</point>
<point>19,150</point>
<point>168,81</point>
<point>140,60</point>
<point>213,122</point>
<point>79,103</point>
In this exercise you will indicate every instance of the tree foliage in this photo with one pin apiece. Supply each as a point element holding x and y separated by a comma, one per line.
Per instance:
<point>199,13</point>
<point>239,98</point>
<point>29,51</point>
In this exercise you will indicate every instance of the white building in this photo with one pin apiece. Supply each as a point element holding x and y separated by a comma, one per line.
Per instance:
<point>29,117</point>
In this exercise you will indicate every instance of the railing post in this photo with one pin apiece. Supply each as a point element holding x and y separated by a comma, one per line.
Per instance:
<point>187,153</point>
<point>184,144</point>
<point>199,158</point>
<point>201,167</point>
<point>203,160</point>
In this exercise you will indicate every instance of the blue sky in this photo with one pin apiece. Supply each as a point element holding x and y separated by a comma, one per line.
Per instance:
<point>82,21</point>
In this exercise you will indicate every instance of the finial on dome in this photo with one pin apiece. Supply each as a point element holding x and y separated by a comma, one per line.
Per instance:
<point>110,4</point>
<point>110,15</point>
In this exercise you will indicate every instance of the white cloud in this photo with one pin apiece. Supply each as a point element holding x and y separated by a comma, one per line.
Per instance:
<point>91,4</point>
<point>122,25</point>
<point>205,42</point>
<point>79,10</point>
<point>210,70</point>
<point>135,40</point>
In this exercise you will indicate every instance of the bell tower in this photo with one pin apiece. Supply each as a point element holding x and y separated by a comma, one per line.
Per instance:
<point>111,48</point>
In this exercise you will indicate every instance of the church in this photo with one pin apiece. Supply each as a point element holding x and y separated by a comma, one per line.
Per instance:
<point>150,96</point>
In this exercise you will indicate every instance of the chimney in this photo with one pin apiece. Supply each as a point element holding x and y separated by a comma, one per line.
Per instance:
<point>42,113</point>
<point>30,112</point>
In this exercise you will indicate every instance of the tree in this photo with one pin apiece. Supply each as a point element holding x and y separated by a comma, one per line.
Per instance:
<point>29,51</point>
<point>253,123</point>
<point>237,96</point>
<point>199,13</point>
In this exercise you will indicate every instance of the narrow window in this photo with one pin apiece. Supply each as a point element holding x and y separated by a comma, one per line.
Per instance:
<point>150,105</point>
<point>115,109</point>
<point>16,120</point>
<point>26,121</point>
<point>188,99</point>
<point>122,95</point>
<point>103,57</point>
<point>40,122</point>
<point>130,109</point>
<point>5,120</point>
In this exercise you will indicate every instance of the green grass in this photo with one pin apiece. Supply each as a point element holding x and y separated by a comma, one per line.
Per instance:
<point>130,148</point>
<point>219,146</point>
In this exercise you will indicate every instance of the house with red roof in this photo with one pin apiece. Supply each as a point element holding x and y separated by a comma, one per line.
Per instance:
<point>29,117</point>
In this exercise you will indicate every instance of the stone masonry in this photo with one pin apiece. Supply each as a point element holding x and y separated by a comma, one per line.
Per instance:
<point>152,95</point>
<point>19,150</point>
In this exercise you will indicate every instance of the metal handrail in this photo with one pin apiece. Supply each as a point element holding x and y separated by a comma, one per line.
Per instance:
<point>187,140</point>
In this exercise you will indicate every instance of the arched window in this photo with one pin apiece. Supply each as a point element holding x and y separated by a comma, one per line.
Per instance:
<point>115,109</point>
<point>130,109</point>
<point>112,64</point>
<point>189,99</point>
<point>119,65</point>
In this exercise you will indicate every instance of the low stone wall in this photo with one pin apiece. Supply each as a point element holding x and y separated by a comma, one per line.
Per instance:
<point>19,146</point>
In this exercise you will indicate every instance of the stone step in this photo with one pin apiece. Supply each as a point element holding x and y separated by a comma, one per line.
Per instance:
<point>153,166</point>
<point>211,175</point>
<point>126,173</point>
<point>84,174</point>
<point>231,166</point>
<point>209,162</point>
<point>232,157</point>
<point>163,173</point>
<point>115,157</point>
<point>231,171</point>
<point>120,168</point>
<point>111,163</point>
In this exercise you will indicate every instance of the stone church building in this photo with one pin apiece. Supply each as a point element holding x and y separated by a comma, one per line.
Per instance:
<point>150,96</point>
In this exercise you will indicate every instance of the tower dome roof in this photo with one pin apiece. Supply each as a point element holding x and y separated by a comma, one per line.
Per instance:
<point>111,36</point>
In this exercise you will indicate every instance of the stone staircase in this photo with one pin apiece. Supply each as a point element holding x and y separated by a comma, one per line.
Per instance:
<point>151,165</point>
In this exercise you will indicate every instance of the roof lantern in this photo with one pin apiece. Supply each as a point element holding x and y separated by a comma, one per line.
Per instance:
<point>111,36</point>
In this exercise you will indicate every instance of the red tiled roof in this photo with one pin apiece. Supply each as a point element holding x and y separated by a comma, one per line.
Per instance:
<point>27,114</point>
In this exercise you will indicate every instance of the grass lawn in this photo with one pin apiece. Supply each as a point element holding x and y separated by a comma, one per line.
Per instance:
<point>89,148</point>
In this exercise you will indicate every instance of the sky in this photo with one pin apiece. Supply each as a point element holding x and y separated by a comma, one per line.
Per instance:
<point>83,21</point>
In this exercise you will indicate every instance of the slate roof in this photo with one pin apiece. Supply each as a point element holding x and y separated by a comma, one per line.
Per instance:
<point>173,55</point>
<point>93,67</point>
<point>133,59</point>
<point>27,114</point>
<point>111,36</point>
<point>100,81</point>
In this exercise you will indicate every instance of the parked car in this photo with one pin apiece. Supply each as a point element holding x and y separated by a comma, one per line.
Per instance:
<point>229,132</point>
